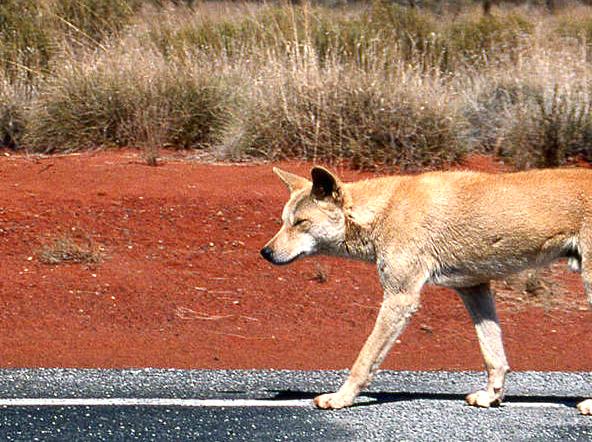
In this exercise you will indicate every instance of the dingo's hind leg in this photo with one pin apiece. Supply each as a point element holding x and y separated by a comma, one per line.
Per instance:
<point>481,306</point>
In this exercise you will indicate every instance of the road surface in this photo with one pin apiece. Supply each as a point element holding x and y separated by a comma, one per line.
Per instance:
<point>239,405</point>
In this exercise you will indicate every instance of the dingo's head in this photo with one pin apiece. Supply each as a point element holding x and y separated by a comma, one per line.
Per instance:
<point>313,218</point>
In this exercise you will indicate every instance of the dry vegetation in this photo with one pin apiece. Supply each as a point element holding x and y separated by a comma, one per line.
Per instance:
<point>69,249</point>
<point>375,83</point>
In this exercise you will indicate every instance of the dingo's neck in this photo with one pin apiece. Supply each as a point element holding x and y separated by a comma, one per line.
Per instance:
<point>366,200</point>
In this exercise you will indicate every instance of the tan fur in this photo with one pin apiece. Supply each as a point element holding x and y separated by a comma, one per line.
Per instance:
<point>454,229</point>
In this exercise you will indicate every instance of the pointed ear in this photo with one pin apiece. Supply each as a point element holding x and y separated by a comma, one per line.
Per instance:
<point>325,185</point>
<point>292,182</point>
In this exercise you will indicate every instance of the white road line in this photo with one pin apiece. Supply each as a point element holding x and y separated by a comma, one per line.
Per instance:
<point>174,402</point>
<point>150,402</point>
<point>534,405</point>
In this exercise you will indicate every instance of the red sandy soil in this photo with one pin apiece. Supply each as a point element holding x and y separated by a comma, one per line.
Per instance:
<point>182,283</point>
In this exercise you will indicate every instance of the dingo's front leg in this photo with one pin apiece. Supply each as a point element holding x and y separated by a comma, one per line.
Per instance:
<point>395,312</point>
<point>480,304</point>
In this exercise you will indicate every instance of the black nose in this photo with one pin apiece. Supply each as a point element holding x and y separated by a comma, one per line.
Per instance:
<point>267,253</point>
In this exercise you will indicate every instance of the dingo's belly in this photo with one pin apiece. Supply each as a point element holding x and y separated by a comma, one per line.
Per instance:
<point>478,272</point>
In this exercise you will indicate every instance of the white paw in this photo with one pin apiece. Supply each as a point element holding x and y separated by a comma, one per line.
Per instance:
<point>482,399</point>
<point>585,407</point>
<point>332,401</point>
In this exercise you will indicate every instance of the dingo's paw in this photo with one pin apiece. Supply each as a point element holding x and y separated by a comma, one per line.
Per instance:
<point>332,401</point>
<point>585,407</point>
<point>482,399</point>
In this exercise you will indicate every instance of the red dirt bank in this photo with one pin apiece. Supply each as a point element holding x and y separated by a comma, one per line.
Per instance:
<point>183,285</point>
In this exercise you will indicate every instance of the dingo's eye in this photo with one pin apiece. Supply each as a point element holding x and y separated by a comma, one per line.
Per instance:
<point>300,222</point>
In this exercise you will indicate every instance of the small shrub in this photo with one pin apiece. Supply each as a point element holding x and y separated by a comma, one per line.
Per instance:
<point>491,110</point>
<point>106,106</point>
<point>320,274</point>
<point>198,109</point>
<point>32,33</point>
<point>354,120</point>
<point>66,249</point>
<point>552,128</point>
<point>81,109</point>
<point>151,133</point>
<point>576,27</point>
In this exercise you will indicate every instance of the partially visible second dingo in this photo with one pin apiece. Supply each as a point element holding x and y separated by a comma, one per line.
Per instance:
<point>453,229</point>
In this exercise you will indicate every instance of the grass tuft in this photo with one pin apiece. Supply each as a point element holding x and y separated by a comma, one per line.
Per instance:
<point>554,128</point>
<point>339,118</point>
<point>107,106</point>
<point>66,249</point>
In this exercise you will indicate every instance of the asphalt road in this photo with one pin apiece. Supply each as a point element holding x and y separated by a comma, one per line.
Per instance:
<point>162,405</point>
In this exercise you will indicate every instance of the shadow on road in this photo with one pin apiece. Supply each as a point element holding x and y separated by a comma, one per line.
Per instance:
<point>377,398</point>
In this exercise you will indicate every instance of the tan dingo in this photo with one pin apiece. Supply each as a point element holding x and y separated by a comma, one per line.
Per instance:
<point>453,229</point>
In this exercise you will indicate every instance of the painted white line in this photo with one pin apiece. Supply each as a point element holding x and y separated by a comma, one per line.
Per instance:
<point>534,405</point>
<point>150,402</point>
<point>174,402</point>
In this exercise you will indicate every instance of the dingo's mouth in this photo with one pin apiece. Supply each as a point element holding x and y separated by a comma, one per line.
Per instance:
<point>294,258</point>
<point>268,254</point>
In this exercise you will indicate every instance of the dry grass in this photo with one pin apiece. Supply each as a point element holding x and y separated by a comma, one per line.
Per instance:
<point>378,85</point>
<point>67,249</point>
<point>321,274</point>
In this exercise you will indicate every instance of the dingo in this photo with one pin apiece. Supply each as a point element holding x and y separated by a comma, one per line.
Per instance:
<point>454,229</point>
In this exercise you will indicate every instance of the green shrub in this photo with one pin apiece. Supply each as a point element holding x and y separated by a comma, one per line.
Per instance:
<point>108,107</point>
<point>198,109</point>
<point>78,109</point>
